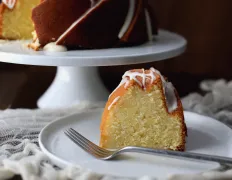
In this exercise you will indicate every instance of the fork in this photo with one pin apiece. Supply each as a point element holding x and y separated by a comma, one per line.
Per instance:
<point>104,154</point>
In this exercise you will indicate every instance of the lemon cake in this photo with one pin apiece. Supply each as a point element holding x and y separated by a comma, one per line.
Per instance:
<point>144,110</point>
<point>15,19</point>
<point>93,24</point>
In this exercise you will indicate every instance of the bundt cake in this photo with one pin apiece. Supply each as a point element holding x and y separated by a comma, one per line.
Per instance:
<point>15,19</point>
<point>93,24</point>
<point>144,110</point>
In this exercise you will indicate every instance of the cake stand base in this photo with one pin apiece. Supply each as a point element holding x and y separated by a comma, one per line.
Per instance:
<point>73,85</point>
<point>77,79</point>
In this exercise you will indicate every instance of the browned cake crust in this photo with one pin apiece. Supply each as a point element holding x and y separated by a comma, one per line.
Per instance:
<point>53,17</point>
<point>154,20</point>
<point>180,113</point>
<point>99,28</point>
<point>137,26</point>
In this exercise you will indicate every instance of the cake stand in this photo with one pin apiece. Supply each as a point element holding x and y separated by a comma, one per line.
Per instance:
<point>77,78</point>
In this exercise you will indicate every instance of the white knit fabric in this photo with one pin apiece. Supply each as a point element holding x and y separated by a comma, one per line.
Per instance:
<point>19,129</point>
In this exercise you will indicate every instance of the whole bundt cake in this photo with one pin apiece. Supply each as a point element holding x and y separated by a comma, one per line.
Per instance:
<point>93,24</point>
<point>144,110</point>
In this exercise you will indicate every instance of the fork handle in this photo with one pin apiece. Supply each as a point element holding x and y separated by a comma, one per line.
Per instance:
<point>179,155</point>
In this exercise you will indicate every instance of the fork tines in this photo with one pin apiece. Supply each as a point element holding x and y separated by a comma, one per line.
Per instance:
<point>85,144</point>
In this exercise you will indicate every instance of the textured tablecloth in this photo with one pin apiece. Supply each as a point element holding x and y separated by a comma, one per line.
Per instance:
<point>19,129</point>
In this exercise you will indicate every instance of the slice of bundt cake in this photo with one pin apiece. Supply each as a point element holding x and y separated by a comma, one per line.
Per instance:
<point>144,110</point>
<point>15,19</point>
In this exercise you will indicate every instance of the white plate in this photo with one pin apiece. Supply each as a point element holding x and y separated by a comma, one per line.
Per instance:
<point>165,45</point>
<point>205,135</point>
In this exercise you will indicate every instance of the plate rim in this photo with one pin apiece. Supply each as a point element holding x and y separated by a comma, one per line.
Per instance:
<point>44,149</point>
<point>62,163</point>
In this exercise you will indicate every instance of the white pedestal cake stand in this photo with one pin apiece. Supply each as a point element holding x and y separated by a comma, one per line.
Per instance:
<point>77,78</point>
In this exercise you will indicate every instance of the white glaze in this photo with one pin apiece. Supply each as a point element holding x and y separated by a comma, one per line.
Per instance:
<point>52,47</point>
<point>149,25</point>
<point>125,26</point>
<point>93,2</point>
<point>114,101</point>
<point>128,76</point>
<point>170,97</point>
<point>168,89</point>
<point>169,92</point>
<point>151,74</point>
<point>133,76</point>
<point>78,20</point>
<point>128,19</point>
<point>157,72</point>
<point>9,3</point>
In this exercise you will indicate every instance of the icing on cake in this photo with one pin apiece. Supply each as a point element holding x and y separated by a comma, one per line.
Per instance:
<point>9,3</point>
<point>149,25</point>
<point>148,113</point>
<point>96,24</point>
<point>53,47</point>
<point>114,101</point>
<point>93,2</point>
<point>170,97</point>
<point>95,5</point>
<point>169,92</point>
<point>148,79</point>
<point>128,20</point>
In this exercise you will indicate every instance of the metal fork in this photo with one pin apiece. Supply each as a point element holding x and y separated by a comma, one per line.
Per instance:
<point>104,154</point>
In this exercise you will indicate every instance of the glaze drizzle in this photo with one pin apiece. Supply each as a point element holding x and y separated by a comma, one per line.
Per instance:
<point>95,5</point>
<point>93,2</point>
<point>52,47</point>
<point>124,28</point>
<point>168,88</point>
<point>149,25</point>
<point>114,101</point>
<point>128,19</point>
<point>9,3</point>
<point>128,76</point>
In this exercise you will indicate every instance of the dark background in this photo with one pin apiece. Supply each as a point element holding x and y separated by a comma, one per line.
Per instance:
<point>206,24</point>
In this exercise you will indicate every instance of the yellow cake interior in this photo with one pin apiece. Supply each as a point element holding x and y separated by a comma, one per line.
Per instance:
<point>139,118</point>
<point>17,23</point>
